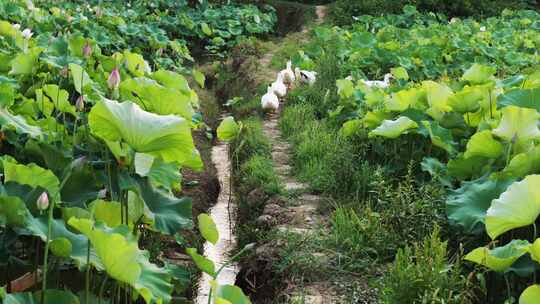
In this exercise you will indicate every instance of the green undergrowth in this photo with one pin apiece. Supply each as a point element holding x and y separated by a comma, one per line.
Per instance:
<point>253,170</point>
<point>422,273</point>
<point>383,203</point>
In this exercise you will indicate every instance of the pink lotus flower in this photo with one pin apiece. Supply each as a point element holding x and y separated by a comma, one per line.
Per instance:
<point>114,79</point>
<point>43,201</point>
<point>87,50</point>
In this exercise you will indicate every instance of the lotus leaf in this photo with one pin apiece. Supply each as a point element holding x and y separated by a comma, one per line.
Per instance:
<point>518,206</point>
<point>501,258</point>
<point>483,144</point>
<point>208,228</point>
<point>518,124</point>
<point>394,128</point>
<point>531,295</point>
<point>168,137</point>
<point>478,74</point>
<point>228,129</point>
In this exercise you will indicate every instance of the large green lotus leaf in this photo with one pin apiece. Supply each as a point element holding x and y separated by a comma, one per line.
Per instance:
<point>208,228</point>
<point>518,206</point>
<point>7,94</point>
<point>168,137</point>
<point>467,100</point>
<point>52,296</point>
<point>501,258</point>
<point>518,124</point>
<point>9,121</point>
<point>31,175</point>
<point>531,295</point>
<point>13,211</point>
<point>160,174</point>
<point>400,73</point>
<point>81,79</point>
<point>351,127</point>
<point>403,100</point>
<point>478,74</point>
<point>156,98</point>
<point>467,206</point>
<point>118,254</point>
<point>374,119</point>
<point>136,64</point>
<point>171,80</point>
<point>154,283</point>
<point>483,144</point>
<point>437,96</point>
<point>534,250</point>
<point>108,212</point>
<point>79,243</point>
<point>373,97</point>
<point>229,294</point>
<point>394,128</point>
<point>170,214</point>
<point>202,263</point>
<point>440,137</point>
<point>228,129</point>
<point>465,168</point>
<point>117,249</point>
<point>345,88</point>
<point>199,77</point>
<point>25,63</point>
<point>57,97</point>
<point>523,98</point>
<point>523,164</point>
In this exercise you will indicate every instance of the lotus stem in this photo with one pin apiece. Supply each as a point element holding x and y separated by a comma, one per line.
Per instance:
<point>87,280</point>
<point>46,253</point>
<point>508,153</point>
<point>508,291</point>
<point>102,288</point>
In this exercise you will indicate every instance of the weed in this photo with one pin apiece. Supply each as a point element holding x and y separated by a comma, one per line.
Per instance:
<point>423,274</point>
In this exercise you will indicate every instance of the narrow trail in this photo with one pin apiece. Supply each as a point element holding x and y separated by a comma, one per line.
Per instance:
<point>223,214</point>
<point>300,214</point>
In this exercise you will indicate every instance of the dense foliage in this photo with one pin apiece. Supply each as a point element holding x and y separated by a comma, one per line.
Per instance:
<point>464,102</point>
<point>344,11</point>
<point>96,117</point>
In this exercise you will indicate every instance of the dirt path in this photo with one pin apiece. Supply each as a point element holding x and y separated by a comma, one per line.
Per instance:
<point>298,215</point>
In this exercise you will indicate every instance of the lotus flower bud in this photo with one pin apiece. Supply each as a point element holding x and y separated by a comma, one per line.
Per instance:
<point>27,33</point>
<point>79,104</point>
<point>114,79</point>
<point>482,29</point>
<point>43,201</point>
<point>87,50</point>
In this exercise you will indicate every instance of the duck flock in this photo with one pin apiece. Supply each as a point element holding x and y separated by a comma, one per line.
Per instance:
<point>284,82</point>
<point>288,77</point>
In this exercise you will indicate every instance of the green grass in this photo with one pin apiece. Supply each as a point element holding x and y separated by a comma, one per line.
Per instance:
<point>258,172</point>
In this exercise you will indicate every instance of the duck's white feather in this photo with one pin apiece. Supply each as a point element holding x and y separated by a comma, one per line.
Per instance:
<point>279,87</point>
<point>270,101</point>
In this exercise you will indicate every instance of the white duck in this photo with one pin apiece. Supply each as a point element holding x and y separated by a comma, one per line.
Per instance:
<point>270,101</point>
<point>288,75</point>
<point>279,88</point>
<point>307,77</point>
<point>379,84</point>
